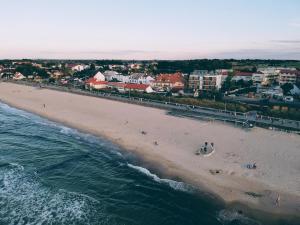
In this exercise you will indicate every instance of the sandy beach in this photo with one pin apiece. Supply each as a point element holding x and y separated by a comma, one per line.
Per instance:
<point>170,143</point>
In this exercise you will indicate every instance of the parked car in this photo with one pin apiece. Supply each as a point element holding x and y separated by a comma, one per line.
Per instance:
<point>288,99</point>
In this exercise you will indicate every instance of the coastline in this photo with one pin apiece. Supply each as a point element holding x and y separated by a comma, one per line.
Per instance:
<point>177,140</point>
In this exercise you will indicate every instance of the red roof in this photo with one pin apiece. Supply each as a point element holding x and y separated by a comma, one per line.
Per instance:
<point>116,84</point>
<point>290,72</point>
<point>246,74</point>
<point>95,82</point>
<point>137,86</point>
<point>225,73</point>
<point>169,78</point>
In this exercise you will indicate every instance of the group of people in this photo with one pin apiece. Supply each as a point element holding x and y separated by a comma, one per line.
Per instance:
<point>206,146</point>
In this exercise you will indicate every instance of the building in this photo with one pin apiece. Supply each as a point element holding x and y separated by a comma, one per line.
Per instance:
<point>97,82</point>
<point>97,85</point>
<point>166,82</point>
<point>117,67</point>
<point>288,76</point>
<point>18,76</point>
<point>140,78</point>
<point>123,87</point>
<point>77,67</point>
<point>211,82</point>
<point>205,80</point>
<point>99,76</point>
<point>113,75</point>
<point>139,88</point>
<point>120,87</point>
<point>271,75</point>
<point>258,78</point>
<point>135,66</point>
<point>196,78</point>
<point>245,76</point>
<point>56,74</point>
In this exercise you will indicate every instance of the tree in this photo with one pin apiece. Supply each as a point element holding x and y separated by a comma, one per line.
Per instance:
<point>227,83</point>
<point>286,88</point>
<point>92,67</point>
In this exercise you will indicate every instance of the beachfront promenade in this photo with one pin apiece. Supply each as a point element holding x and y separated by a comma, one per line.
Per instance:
<point>197,112</point>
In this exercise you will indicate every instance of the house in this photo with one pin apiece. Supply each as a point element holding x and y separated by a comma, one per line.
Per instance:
<point>56,74</point>
<point>113,75</point>
<point>135,66</point>
<point>18,76</point>
<point>120,87</point>
<point>168,81</point>
<point>140,78</point>
<point>92,83</point>
<point>245,76</point>
<point>99,76</point>
<point>139,88</point>
<point>117,67</point>
<point>77,67</point>
<point>275,92</point>
<point>123,87</point>
<point>288,76</point>
<point>97,82</point>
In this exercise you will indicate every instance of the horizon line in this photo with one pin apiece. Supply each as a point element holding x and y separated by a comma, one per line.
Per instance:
<point>119,59</point>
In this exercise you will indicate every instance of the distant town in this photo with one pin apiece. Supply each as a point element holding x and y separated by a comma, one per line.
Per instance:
<point>269,86</point>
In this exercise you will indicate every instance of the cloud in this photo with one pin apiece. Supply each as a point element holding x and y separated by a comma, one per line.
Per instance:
<point>294,24</point>
<point>261,54</point>
<point>286,41</point>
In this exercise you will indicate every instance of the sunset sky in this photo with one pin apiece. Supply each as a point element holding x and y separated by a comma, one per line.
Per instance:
<point>150,29</point>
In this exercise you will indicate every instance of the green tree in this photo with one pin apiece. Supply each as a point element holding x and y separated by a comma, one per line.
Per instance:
<point>286,88</point>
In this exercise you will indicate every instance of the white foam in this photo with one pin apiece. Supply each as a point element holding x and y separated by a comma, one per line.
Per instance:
<point>12,110</point>
<point>24,200</point>
<point>228,216</point>
<point>180,186</point>
<point>62,129</point>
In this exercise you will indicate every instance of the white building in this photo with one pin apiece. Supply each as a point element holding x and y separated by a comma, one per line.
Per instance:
<point>140,78</point>
<point>117,67</point>
<point>288,76</point>
<point>245,76</point>
<point>258,78</point>
<point>18,76</point>
<point>211,82</point>
<point>205,80</point>
<point>78,67</point>
<point>99,76</point>
<point>113,75</point>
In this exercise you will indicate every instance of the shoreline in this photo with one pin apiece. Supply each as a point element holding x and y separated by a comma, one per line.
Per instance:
<point>229,187</point>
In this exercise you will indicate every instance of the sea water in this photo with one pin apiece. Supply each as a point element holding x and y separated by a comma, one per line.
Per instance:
<point>52,174</point>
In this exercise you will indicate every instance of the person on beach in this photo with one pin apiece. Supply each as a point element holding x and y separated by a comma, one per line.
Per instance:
<point>278,200</point>
<point>44,105</point>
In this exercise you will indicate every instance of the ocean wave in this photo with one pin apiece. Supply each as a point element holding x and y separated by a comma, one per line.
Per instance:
<point>24,200</point>
<point>15,111</point>
<point>228,217</point>
<point>72,132</point>
<point>176,185</point>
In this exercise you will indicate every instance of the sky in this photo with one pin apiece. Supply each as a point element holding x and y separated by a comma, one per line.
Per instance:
<point>149,29</point>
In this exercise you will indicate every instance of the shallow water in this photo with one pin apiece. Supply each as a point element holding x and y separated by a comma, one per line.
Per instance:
<point>51,174</point>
